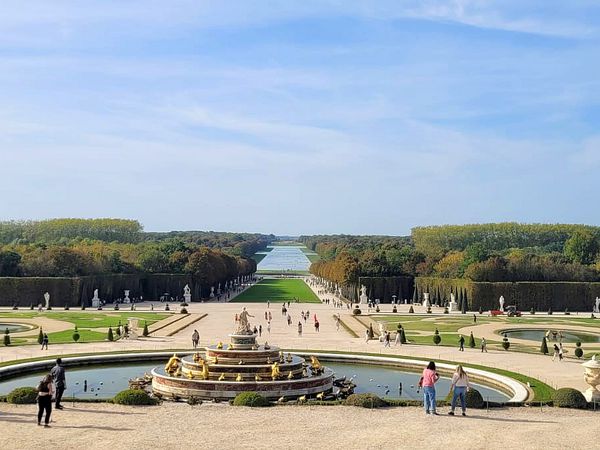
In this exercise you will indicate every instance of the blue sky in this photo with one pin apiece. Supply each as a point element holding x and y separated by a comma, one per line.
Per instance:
<point>362,117</point>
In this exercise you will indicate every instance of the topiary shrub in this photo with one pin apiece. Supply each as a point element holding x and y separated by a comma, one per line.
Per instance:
<point>31,307</point>
<point>167,307</point>
<point>15,307</point>
<point>429,310</point>
<point>116,306</point>
<point>377,308</point>
<point>471,340</point>
<point>474,399</point>
<point>544,347</point>
<point>22,396</point>
<point>411,310</point>
<point>251,399</point>
<point>76,334</point>
<point>365,401</point>
<point>110,336</point>
<point>67,306</point>
<point>145,333</point>
<point>569,398</point>
<point>134,397</point>
<point>505,343</point>
<point>550,311</point>
<point>356,311</point>
<point>40,336</point>
<point>6,338</point>
<point>446,310</point>
<point>183,311</point>
<point>578,350</point>
<point>394,309</point>
<point>480,310</point>
<point>436,337</point>
<point>83,306</point>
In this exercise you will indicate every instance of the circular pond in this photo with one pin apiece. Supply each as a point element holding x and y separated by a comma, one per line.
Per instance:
<point>104,381</point>
<point>14,327</point>
<point>569,336</point>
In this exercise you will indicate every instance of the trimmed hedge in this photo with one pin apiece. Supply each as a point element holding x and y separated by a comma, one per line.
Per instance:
<point>569,398</point>
<point>365,401</point>
<point>251,399</point>
<point>134,397</point>
<point>22,396</point>
<point>474,399</point>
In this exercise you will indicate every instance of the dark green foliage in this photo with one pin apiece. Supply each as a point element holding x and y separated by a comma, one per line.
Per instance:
<point>436,337</point>
<point>356,311</point>
<point>76,334</point>
<point>474,399</point>
<point>365,401</point>
<point>371,333</point>
<point>411,310</point>
<point>9,263</point>
<point>22,396</point>
<point>6,338</point>
<point>251,399</point>
<point>578,350</point>
<point>402,336</point>
<point>505,342</point>
<point>582,247</point>
<point>471,341</point>
<point>40,336</point>
<point>145,333</point>
<point>532,311</point>
<point>184,311</point>
<point>134,397</point>
<point>110,335</point>
<point>167,307</point>
<point>569,398</point>
<point>544,347</point>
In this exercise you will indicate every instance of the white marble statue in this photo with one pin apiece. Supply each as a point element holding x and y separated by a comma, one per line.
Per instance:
<point>219,289</point>
<point>244,323</point>
<point>95,299</point>
<point>363,295</point>
<point>426,303</point>
<point>127,299</point>
<point>187,293</point>
<point>47,299</point>
<point>453,304</point>
<point>501,301</point>
<point>212,291</point>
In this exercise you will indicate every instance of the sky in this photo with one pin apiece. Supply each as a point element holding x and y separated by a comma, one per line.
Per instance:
<point>300,117</point>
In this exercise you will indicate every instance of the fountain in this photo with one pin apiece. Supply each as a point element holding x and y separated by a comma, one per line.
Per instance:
<point>225,370</point>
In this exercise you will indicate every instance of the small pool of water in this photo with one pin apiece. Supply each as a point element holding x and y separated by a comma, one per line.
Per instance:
<point>14,327</point>
<point>538,334</point>
<point>107,380</point>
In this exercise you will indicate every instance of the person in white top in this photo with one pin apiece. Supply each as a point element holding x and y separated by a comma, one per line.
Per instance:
<point>460,385</point>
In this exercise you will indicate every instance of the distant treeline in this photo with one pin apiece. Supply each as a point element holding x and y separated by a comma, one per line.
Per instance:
<point>80,247</point>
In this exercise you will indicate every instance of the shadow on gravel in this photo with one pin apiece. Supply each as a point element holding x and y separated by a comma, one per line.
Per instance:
<point>118,413</point>
<point>92,427</point>
<point>499,419</point>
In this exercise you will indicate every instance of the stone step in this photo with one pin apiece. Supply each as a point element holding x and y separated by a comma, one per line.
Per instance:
<point>156,326</point>
<point>177,326</point>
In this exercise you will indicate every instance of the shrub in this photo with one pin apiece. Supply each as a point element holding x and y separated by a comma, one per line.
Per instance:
<point>76,334</point>
<point>183,311</point>
<point>578,350</point>
<point>134,397</point>
<point>110,335</point>
<point>377,308</point>
<point>394,309</point>
<point>411,310</point>
<point>31,307</point>
<point>40,338</point>
<point>402,336</point>
<point>474,399</point>
<point>446,310</point>
<point>251,399</point>
<point>22,396</point>
<point>569,398</point>
<point>67,307</point>
<point>365,401</point>
<point>183,304</point>
<point>6,338</point>
<point>167,307</point>
<point>15,307</point>
<point>83,306</point>
<point>145,333</point>
<point>544,347</point>
<point>429,310</point>
<point>436,337</point>
<point>505,343</point>
<point>116,306</point>
<point>356,311</point>
<point>471,341</point>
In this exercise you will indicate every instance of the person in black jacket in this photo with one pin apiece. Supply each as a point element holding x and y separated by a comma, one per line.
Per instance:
<point>60,384</point>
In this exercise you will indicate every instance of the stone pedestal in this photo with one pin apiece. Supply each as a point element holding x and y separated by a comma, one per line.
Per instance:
<point>453,306</point>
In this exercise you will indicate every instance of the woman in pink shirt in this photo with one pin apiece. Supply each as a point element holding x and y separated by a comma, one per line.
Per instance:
<point>428,380</point>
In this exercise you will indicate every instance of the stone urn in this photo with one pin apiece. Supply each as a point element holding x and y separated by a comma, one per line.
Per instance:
<point>592,377</point>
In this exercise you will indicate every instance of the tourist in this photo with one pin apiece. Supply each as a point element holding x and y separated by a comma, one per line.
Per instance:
<point>255,330</point>
<point>268,303</point>
<point>289,320</point>
<point>398,339</point>
<point>337,323</point>
<point>266,316</point>
<point>474,318</point>
<point>195,338</point>
<point>58,375</point>
<point>483,345</point>
<point>299,329</point>
<point>367,336</point>
<point>270,316</point>
<point>461,344</point>
<point>556,351</point>
<point>317,326</point>
<point>269,327</point>
<point>260,330</point>
<point>460,386</point>
<point>560,351</point>
<point>44,342</point>
<point>386,339</point>
<point>44,399</point>
<point>427,381</point>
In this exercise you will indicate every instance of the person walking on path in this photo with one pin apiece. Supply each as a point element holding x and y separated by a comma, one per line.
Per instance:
<point>398,338</point>
<point>44,399</point>
<point>556,352</point>
<point>260,330</point>
<point>483,345</point>
<point>474,318</point>
<point>560,352</point>
<point>459,385</point>
<point>60,383</point>
<point>337,323</point>
<point>317,326</point>
<point>386,339</point>
<point>44,342</point>
<point>367,336</point>
<point>299,329</point>
<point>461,343</point>
<point>427,381</point>
<point>195,338</point>
<point>269,327</point>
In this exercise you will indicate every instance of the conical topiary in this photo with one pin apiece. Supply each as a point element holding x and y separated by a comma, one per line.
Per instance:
<point>40,336</point>
<point>544,347</point>
<point>76,334</point>
<point>6,338</point>
<point>110,335</point>
<point>471,341</point>
<point>436,337</point>
<point>578,350</point>
<point>402,336</point>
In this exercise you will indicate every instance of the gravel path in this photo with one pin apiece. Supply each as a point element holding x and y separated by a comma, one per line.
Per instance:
<point>107,426</point>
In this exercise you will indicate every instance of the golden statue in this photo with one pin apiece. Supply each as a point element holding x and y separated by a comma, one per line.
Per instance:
<point>289,358</point>
<point>177,372</point>
<point>231,346</point>
<point>316,366</point>
<point>216,359</point>
<point>190,375</point>
<point>275,373</point>
<point>220,345</point>
<point>239,377</point>
<point>257,377</point>
<point>197,357</point>
<point>173,364</point>
<point>203,373</point>
<point>291,375</point>
<point>281,356</point>
<point>222,377</point>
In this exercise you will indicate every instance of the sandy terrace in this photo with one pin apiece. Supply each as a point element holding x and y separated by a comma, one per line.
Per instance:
<point>104,426</point>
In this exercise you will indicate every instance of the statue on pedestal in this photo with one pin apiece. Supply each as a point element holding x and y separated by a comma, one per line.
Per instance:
<point>243,323</point>
<point>426,303</point>
<point>127,300</point>
<point>363,295</point>
<point>95,299</point>
<point>47,299</point>
<point>453,304</point>
<point>187,293</point>
<point>212,291</point>
<point>501,301</point>
<point>597,307</point>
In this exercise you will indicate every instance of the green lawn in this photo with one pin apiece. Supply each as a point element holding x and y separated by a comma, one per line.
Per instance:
<point>82,319</point>
<point>278,290</point>
<point>66,337</point>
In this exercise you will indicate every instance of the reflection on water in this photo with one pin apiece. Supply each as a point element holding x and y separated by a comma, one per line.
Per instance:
<point>13,327</point>
<point>106,381</point>
<point>567,336</point>
<point>285,258</point>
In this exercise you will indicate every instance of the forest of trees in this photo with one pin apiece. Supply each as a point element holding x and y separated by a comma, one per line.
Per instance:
<point>487,252</point>
<point>79,247</point>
